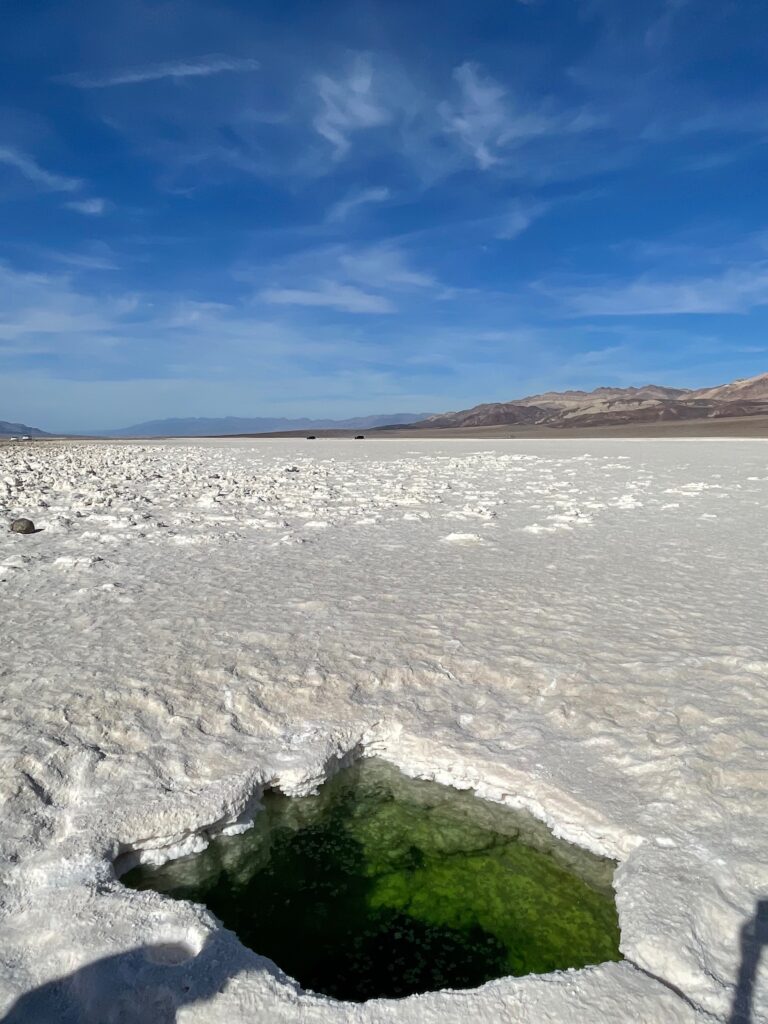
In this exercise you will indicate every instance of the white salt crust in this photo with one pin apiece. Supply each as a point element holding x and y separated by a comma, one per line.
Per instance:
<point>576,627</point>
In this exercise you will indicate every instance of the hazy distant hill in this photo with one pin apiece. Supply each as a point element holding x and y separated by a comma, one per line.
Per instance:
<point>20,430</point>
<point>558,409</point>
<point>614,406</point>
<point>202,427</point>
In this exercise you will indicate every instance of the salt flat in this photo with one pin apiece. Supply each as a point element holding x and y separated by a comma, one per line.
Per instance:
<point>577,627</point>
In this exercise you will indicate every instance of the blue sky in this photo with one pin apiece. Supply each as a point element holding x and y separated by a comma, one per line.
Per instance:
<point>338,208</point>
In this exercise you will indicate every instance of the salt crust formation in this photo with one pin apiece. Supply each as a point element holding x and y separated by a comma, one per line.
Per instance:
<point>574,627</point>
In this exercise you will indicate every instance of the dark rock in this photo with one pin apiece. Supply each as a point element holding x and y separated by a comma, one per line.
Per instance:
<point>22,526</point>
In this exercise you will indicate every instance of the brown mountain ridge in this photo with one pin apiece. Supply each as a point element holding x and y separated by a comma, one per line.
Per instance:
<point>615,406</point>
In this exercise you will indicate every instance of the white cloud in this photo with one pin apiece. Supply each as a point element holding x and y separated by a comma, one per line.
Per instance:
<point>384,267</point>
<point>332,294</point>
<point>734,291</point>
<point>518,217</point>
<point>107,336</point>
<point>352,280</point>
<point>366,280</point>
<point>200,67</point>
<point>45,313</point>
<point>484,119</point>
<point>368,104</point>
<point>349,104</point>
<point>193,313</point>
<point>85,260</point>
<point>90,207</point>
<point>342,209</point>
<point>32,171</point>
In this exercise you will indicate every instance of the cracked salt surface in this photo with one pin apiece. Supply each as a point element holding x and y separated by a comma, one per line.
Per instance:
<point>179,636</point>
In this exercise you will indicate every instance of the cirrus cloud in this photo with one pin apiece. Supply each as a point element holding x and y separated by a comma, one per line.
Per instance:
<point>199,67</point>
<point>30,169</point>
<point>90,207</point>
<point>343,297</point>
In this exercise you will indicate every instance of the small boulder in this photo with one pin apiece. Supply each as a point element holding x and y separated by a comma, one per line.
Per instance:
<point>22,526</point>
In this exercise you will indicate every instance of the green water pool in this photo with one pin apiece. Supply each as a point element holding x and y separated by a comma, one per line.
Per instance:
<point>383,886</point>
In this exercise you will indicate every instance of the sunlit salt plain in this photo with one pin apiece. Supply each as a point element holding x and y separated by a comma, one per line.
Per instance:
<point>575,627</point>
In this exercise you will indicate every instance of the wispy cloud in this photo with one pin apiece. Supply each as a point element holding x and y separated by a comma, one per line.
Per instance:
<point>518,217</point>
<point>342,209</point>
<point>383,266</point>
<point>199,67</point>
<point>736,290</point>
<point>99,259</point>
<point>484,119</point>
<point>350,279</point>
<point>371,105</point>
<point>90,207</point>
<point>32,171</point>
<point>41,311</point>
<point>332,294</point>
<point>99,357</point>
<point>349,104</point>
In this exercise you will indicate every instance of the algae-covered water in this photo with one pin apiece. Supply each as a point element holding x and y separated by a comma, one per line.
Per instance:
<point>382,885</point>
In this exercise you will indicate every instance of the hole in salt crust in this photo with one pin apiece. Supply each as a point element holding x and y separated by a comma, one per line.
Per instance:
<point>170,953</point>
<point>384,886</point>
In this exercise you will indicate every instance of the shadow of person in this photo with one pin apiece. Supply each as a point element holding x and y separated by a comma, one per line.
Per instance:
<point>146,985</point>
<point>754,936</point>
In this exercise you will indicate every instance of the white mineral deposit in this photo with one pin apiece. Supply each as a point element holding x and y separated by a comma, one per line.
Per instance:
<point>573,627</point>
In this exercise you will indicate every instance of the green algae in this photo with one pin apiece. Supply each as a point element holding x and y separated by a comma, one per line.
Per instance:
<point>384,886</point>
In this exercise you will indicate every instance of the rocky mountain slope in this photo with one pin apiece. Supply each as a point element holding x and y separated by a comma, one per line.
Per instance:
<point>613,406</point>
<point>20,430</point>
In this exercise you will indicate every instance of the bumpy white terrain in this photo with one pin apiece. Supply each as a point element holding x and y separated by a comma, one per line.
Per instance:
<point>577,627</point>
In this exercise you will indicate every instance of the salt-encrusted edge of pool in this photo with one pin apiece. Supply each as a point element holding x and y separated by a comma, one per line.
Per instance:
<point>87,882</point>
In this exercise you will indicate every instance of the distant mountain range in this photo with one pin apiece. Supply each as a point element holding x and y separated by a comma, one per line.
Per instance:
<point>20,430</point>
<point>202,427</point>
<point>614,406</point>
<point>603,407</point>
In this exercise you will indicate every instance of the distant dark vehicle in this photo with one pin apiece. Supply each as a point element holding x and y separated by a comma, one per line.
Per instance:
<point>311,437</point>
<point>359,437</point>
